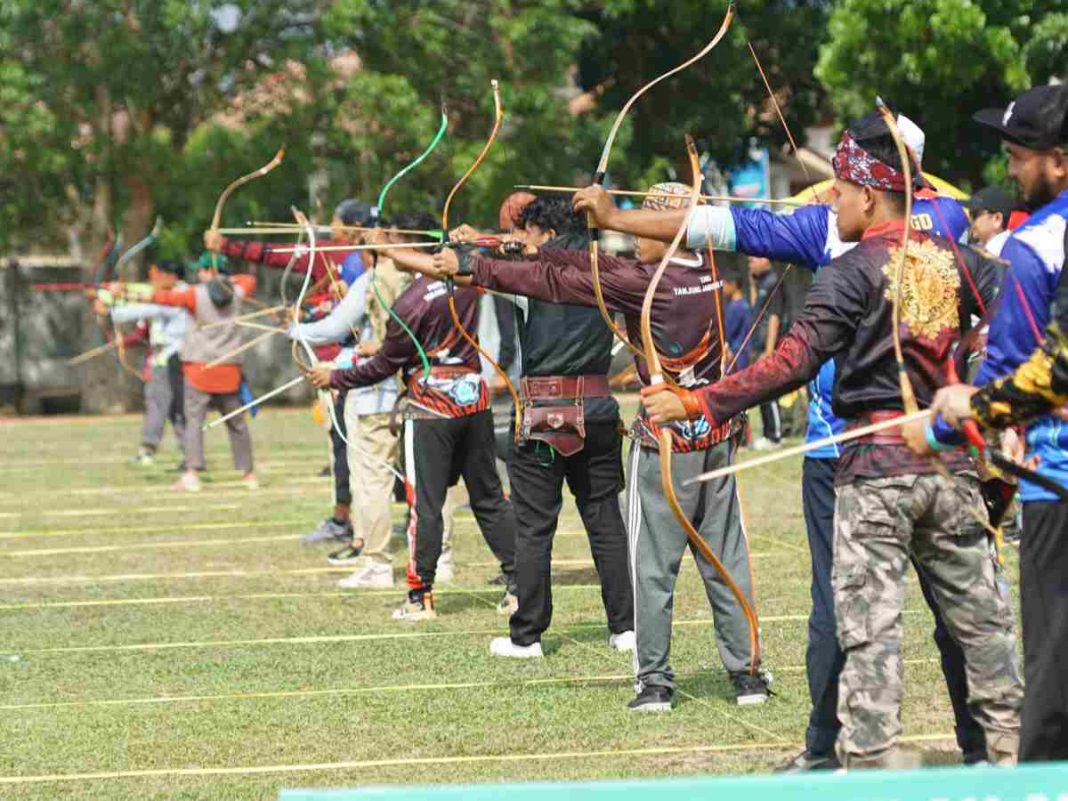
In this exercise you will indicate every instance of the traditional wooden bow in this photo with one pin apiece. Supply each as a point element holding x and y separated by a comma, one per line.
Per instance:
<point>134,250</point>
<point>498,118</point>
<point>656,376</point>
<point>602,170</point>
<point>236,184</point>
<point>376,212</point>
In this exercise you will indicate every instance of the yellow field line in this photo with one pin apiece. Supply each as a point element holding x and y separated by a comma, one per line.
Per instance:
<point>268,694</point>
<point>144,546</point>
<point>262,596</point>
<point>176,528</point>
<point>278,459</point>
<point>111,510</point>
<point>413,762</point>
<point>338,638</point>
<point>210,488</point>
<point>311,640</point>
<point>31,580</point>
<point>393,688</point>
<point>120,577</point>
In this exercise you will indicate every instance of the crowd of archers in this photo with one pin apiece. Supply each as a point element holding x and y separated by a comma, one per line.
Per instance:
<point>904,464</point>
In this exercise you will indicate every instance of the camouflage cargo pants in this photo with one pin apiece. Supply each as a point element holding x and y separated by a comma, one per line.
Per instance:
<point>878,523</point>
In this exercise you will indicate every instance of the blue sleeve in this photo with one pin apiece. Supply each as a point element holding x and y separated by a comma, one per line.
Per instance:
<point>798,238</point>
<point>1023,305</point>
<point>941,215</point>
<point>945,433</point>
<point>352,268</point>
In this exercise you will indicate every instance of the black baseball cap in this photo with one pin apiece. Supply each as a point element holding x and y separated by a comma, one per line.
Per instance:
<point>169,266</point>
<point>353,212</point>
<point>1036,119</point>
<point>993,198</point>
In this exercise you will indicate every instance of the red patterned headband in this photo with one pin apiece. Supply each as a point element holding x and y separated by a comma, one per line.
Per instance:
<point>853,163</point>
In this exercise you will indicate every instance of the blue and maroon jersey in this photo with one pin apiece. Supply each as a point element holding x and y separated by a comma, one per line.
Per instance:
<point>809,238</point>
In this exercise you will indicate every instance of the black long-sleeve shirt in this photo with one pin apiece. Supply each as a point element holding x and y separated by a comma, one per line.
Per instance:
<point>848,317</point>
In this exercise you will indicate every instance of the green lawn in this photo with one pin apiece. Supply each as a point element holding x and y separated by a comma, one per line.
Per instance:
<point>188,647</point>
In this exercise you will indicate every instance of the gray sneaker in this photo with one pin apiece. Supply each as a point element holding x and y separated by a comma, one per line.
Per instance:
<point>329,531</point>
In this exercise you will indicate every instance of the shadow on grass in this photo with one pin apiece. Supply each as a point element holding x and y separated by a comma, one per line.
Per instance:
<point>578,575</point>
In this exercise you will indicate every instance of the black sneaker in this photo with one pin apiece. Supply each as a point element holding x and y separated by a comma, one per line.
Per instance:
<point>806,761</point>
<point>330,530</point>
<point>749,690</point>
<point>652,699</point>
<point>347,556</point>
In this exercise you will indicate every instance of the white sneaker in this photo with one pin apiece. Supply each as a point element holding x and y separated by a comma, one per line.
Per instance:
<point>189,482</point>
<point>624,641</point>
<point>375,574</point>
<point>503,646</point>
<point>446,572</point>
<point>764,444</point>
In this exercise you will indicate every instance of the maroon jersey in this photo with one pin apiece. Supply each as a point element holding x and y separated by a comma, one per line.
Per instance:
<point>683,318</point>
<point>455,387</point>
<point>848,317</point>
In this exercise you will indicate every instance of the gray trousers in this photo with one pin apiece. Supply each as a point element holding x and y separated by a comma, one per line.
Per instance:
<point>160,407</point>
<point>657,544</point>
<point>197,404</point>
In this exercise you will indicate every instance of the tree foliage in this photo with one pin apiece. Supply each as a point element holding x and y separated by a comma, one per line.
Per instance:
<point>939,61</point>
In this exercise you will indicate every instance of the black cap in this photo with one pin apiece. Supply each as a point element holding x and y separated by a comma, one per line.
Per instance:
<point>992,198</point>
<point>353,212</point>
<point>1035,119</point>
<point>169,266</point>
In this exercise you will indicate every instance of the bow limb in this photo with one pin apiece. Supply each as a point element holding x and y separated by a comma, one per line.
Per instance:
<point>134,250</point>
<point>376,212</point>
<point>602,171</point>
<point>498,118</point>
<point>324,395</point>
<point>908,394</point>
<point>652,361</point>
<point>808,179</point>
<point>234,185</point>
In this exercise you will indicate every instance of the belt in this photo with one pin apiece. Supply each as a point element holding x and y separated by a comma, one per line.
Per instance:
<point>451,370</point>
<point>565,387</point>
<point>888,436</point>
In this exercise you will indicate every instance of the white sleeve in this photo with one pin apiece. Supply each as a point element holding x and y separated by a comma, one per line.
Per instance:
<point>349,314</point>
<point>711,224</point>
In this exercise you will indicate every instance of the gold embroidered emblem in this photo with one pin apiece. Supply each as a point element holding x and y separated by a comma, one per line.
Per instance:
<point>930,292</point>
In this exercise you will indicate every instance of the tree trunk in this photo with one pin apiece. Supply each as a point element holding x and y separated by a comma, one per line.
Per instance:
<point>106,388</point>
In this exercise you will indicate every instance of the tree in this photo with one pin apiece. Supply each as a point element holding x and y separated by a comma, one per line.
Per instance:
<point>939,61</point>
<point>721,100</point>
<point>102,98</point>
<point>416,55</point>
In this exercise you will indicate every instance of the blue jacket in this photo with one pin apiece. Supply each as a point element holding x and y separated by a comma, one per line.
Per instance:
<point>808,237</point>
<point>1035,252</point>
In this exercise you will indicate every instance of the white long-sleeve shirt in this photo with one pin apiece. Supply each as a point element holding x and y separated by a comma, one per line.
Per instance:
<point>167,326</point>
<point>351,313</point>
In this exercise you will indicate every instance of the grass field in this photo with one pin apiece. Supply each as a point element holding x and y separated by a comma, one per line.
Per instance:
<point>171,646</point>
